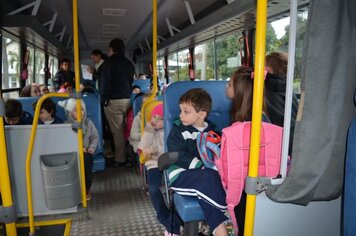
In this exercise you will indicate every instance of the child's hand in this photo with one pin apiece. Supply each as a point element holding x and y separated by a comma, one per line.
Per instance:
<point>85,150</point>
<point>147,153</point>
<point>91,150</point>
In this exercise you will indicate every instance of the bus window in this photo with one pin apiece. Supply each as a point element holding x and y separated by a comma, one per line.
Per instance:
<point>277,40</point>
<point>31,66</point>
<point>204,61</point>
<point>173,67</point>
<point>227,55</point>
<point>39,67</point>
<point>10,64</point>
<point>53,68</point>
<point>183,68</point>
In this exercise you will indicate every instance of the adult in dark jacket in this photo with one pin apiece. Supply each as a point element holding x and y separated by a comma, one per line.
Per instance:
<point>275,89</point>
<point>64,76</point>
<point>115,91</point>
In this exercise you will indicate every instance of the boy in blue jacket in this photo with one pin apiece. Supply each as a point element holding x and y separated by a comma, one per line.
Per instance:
<point>14,115</point>
<point>187,176</point>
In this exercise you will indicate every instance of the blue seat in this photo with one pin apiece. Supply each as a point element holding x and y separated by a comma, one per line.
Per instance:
<point>350,181</point>
<point>92,102</point>
<point>187,207</point>
<point>144,84</point>
<point>136,105</point>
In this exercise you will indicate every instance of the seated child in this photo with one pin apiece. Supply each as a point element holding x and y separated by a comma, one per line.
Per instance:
<point>90,137</point>
<point>152,146</point>
<point>47,112</point>
<point>186,176</point>
<point>43,89</point>
<point>14,114</point>
<point>135,131</point>
<point>32,90</point>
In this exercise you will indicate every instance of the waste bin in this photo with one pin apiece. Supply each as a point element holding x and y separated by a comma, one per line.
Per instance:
<point>61,180</point>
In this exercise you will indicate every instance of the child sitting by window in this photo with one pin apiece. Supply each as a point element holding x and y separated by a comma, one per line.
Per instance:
<point>14,114</point>
<point>90,137</point>
<point>47,112</point>
<point>186,176</point>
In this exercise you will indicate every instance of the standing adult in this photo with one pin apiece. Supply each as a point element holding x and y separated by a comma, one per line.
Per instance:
<point>275,89</point>
<point>98,58</point>
<point>117,78</point>
<point>64,76</point>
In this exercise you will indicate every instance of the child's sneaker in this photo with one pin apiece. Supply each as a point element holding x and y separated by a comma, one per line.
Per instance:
<point>169,234</point>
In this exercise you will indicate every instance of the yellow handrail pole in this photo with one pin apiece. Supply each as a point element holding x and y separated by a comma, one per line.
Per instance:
<point>154,61</point>
<point>258,83</point>
<point>79,106</point>
<point>5,185</point>
<point>29,156</point>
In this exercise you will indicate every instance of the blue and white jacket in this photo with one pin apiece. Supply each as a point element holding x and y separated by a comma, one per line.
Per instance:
<point>182,139</point>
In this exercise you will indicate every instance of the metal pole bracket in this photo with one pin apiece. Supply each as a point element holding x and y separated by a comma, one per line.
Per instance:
<point>256,185</point>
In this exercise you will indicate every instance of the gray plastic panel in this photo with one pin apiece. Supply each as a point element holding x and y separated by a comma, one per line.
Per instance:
<point>317,218</point>
<point>61,182</point>
<point>50,139</point>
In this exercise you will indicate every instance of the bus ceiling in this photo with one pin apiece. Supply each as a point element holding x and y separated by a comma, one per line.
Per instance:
<point>181,24</point>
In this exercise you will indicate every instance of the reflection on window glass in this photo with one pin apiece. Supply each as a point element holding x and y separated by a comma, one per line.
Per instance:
<point>39,67</point>
<point>227,56</point>
<point>30,66</point>
<point>182,65</point>
<point>204,61</point>
<point>10,64</point>
<point>277,38</point>
<point>173,67</point>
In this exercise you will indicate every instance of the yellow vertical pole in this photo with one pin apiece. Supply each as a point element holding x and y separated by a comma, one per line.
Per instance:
<point>154,61</point>
<point>79,106</point>
<point>5,186</point>
<point>29,157</point>
<point>258,83</point>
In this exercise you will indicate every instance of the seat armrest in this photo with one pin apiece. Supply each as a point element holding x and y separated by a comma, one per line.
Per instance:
<point>166,159</point>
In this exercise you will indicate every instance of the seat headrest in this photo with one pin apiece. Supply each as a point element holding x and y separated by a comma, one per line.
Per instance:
<point>220,111</point>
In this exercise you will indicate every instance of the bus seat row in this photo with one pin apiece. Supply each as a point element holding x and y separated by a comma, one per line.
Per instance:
<point>187,207</point>
<point>92,102</point>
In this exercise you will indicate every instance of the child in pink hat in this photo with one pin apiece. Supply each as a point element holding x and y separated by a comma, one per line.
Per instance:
<point>152,146</point>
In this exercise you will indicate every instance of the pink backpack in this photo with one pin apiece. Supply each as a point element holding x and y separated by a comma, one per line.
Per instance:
<point>233,162</point>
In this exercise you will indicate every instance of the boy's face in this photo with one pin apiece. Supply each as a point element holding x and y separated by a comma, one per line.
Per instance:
<point>12,121</point>
<point>189,116</point>
<point>157,122</point>
<point>45,115</point>
<point>65,66</point>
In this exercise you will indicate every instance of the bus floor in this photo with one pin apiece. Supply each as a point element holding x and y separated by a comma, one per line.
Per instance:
<point>119,206</point>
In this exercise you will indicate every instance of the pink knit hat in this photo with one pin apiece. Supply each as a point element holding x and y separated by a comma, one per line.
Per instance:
<point>158,110</point>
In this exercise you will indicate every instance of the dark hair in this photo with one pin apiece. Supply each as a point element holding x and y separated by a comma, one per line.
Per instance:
<point>278,62</point>
<point>97,52</point>
<point>198,98</point>
<point>65,60</point>
<point>13,108</point>
<point>48,105</point>
<point>135,86</point>
<point>117,45</point>
<point>241,109</point>
<point>26,91</point>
